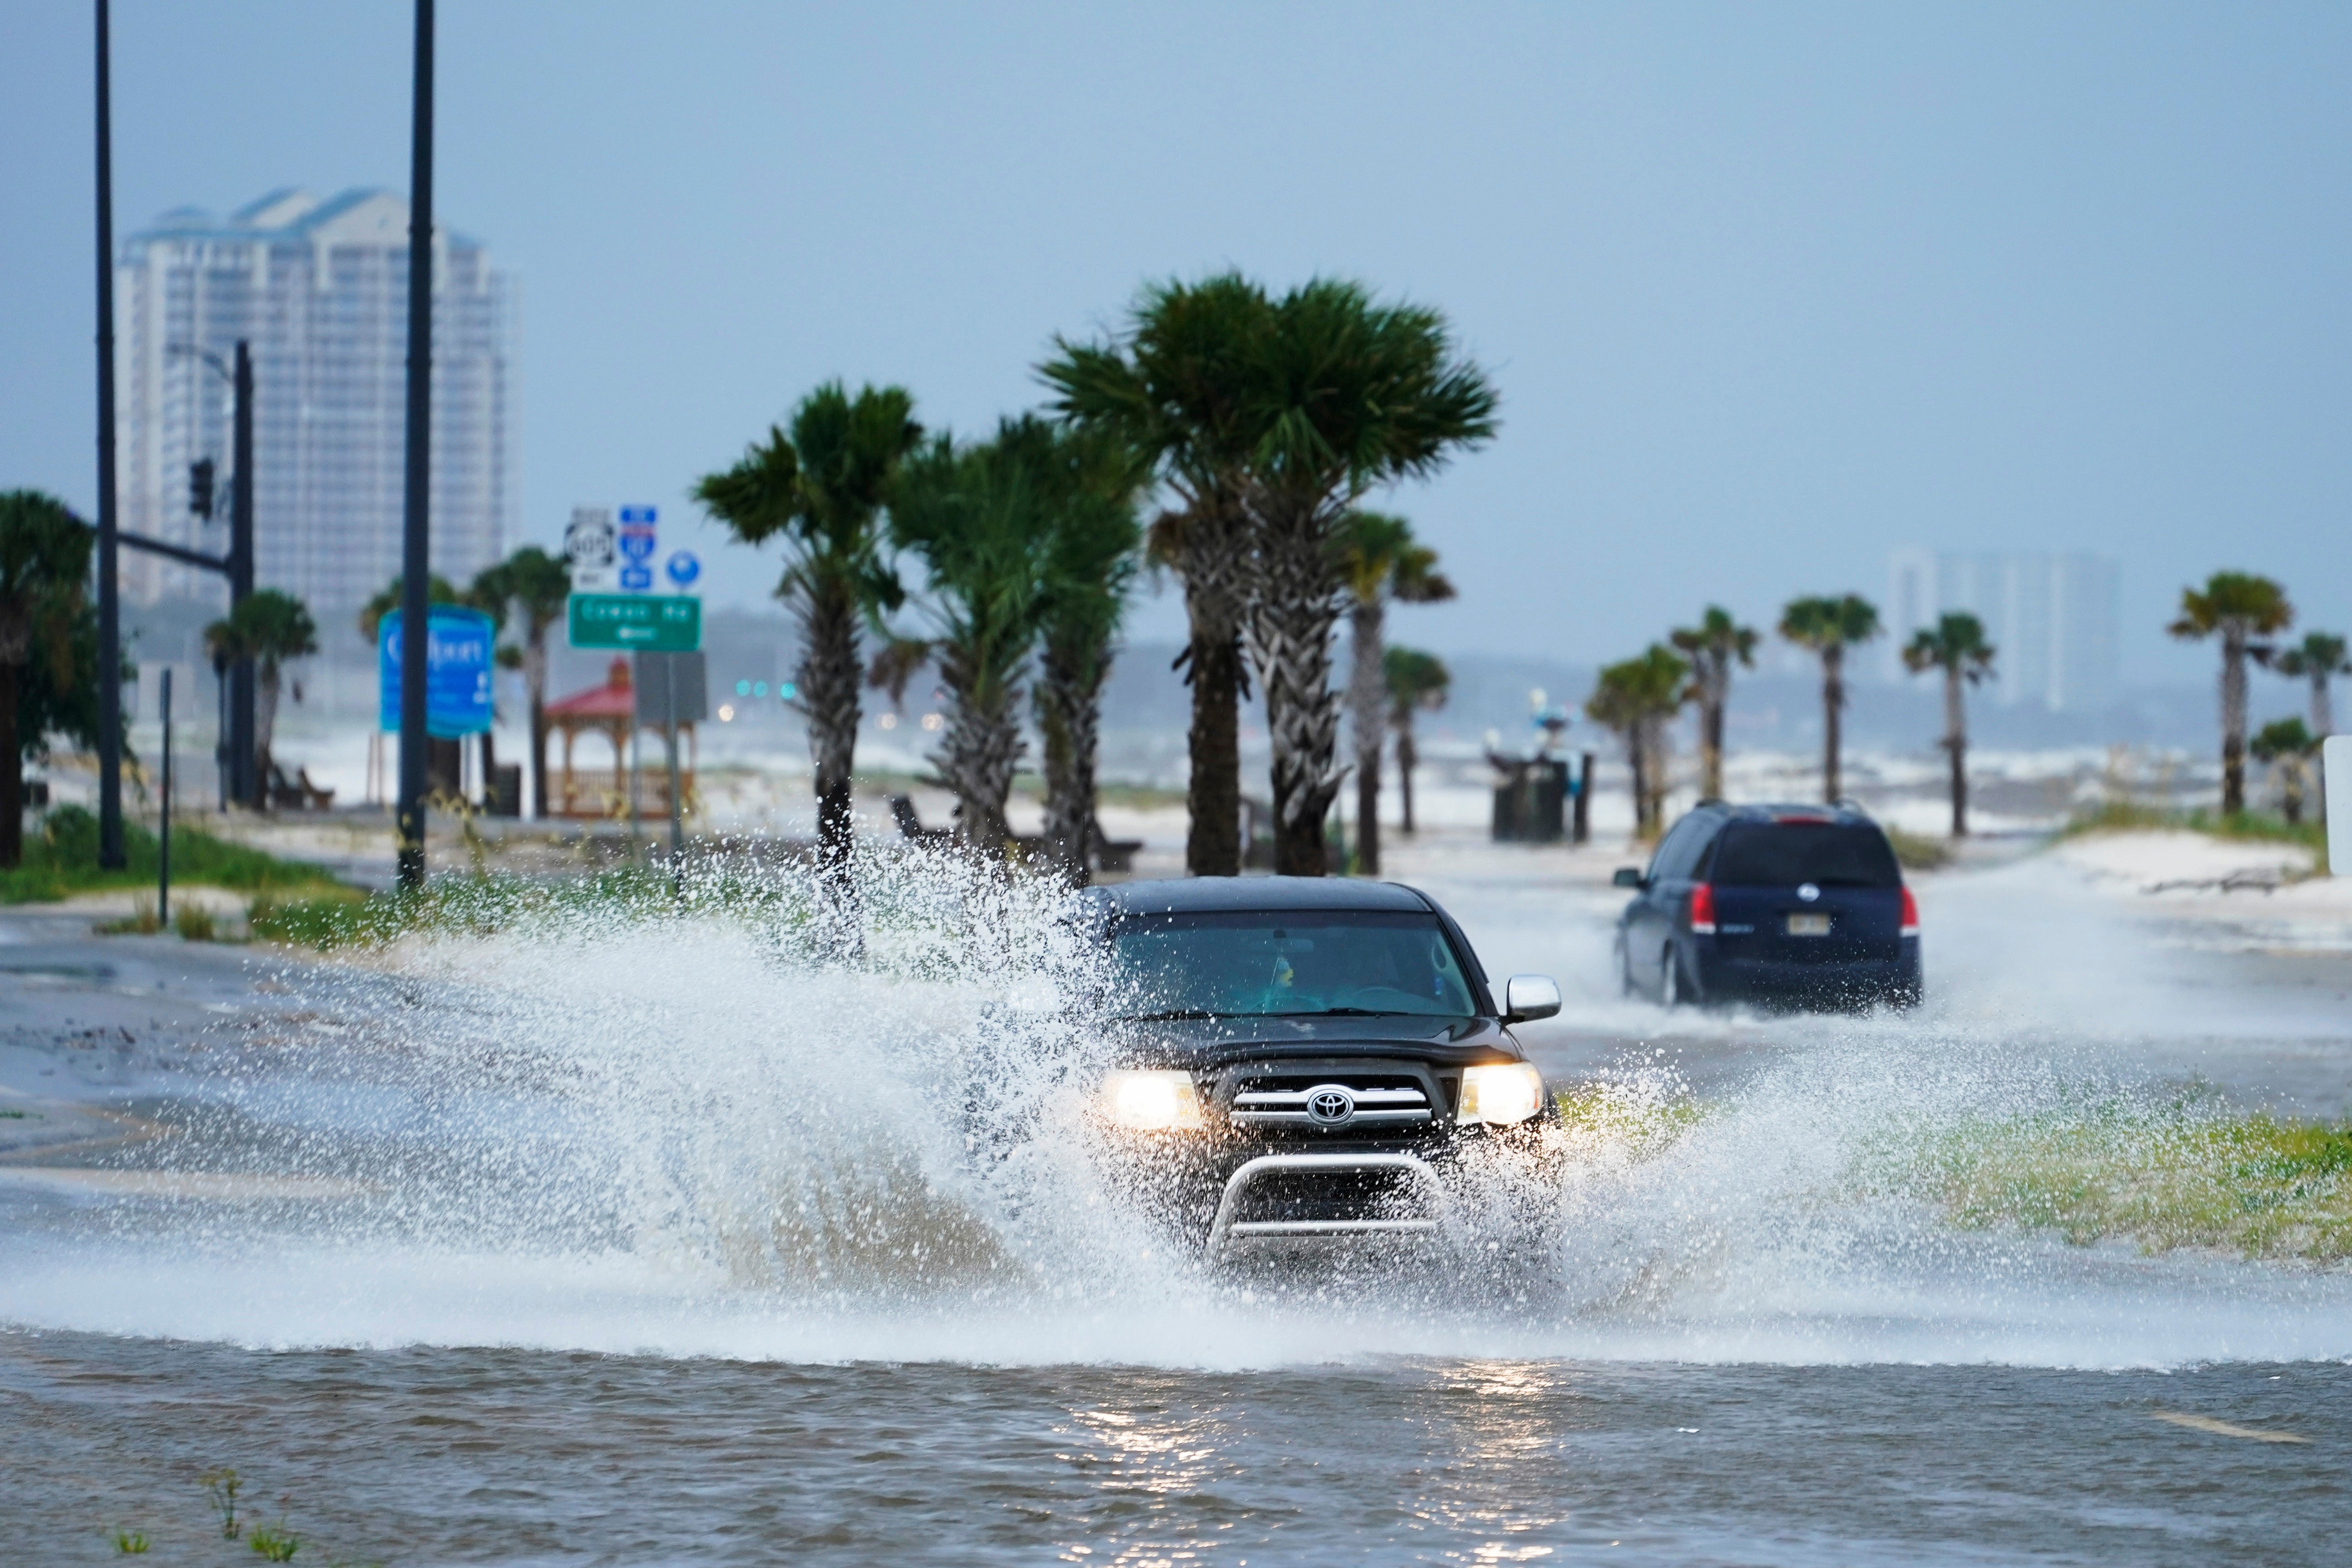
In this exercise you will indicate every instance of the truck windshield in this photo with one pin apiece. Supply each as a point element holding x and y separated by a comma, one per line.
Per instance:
<point>1830,855</point>
<point>1287,964</point>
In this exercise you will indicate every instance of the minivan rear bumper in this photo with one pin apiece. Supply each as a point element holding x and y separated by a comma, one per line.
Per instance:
<point>1718,977</point>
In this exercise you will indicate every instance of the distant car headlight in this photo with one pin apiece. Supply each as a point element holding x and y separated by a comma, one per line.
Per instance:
<point>1152,1100</point>
<point>1501,1093</point>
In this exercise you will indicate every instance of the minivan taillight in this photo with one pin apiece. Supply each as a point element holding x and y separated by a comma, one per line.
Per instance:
<point>1910,914</point>
<point>1703,909</point>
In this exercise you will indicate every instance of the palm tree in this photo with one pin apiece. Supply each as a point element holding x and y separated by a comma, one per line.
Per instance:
<point>981,518</point>
<point>2237,607</point>
<point>2285,746</point>
<point>1381,562</point>
<point>536,586</point>
<point>822,489</point>
<point>1955,645</point>
<point>1714,646</point>
<point>1350,394</point>
<point>439,590</point>
<point>43,567</point>
<point>1413,680</point>
<point>2319,658</point>
<point>1174,388</point>
<point>1829,626</point>
<point>269,626</point>
<point>490,592</point>
<point>1635,699</point>
<point>1091,562</point>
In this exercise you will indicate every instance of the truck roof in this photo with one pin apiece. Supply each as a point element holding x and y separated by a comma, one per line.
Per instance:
<point>1232,894</point>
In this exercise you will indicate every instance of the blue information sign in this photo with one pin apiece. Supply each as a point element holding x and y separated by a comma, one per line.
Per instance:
<point>458,668</point>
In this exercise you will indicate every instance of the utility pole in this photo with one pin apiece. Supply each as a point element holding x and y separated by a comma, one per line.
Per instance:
<point>240,582</point>
<point>416,544</point>
<point>109,608</point>
<point>164,828</point>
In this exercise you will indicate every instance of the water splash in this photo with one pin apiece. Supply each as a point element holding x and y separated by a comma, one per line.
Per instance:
<point>693,1125</point>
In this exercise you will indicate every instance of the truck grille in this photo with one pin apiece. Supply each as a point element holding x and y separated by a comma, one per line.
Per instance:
<point>1330,1102</point>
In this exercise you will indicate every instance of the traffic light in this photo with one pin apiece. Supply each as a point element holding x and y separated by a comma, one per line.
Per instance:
<point>200,486</point>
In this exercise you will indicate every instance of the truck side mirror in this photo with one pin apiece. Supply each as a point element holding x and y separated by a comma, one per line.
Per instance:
<point>1529,996</point>
<point>1626,876</point>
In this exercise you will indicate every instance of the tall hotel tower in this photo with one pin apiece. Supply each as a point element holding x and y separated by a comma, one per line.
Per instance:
<point>320,290</point>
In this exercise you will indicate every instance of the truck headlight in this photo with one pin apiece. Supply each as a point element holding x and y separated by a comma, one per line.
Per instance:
<point>1152,1100</point>
<point>1501,1093</point>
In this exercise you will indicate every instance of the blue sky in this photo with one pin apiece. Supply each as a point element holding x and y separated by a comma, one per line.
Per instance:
<point>1767,289</point>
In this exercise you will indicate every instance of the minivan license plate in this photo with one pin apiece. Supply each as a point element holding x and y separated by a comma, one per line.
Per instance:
<point>1808,925</point>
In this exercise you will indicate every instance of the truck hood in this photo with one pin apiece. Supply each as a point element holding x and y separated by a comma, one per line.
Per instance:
<point>1211,1042</point>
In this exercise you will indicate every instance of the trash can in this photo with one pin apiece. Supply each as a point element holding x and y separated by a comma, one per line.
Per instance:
<point>1530,800</point>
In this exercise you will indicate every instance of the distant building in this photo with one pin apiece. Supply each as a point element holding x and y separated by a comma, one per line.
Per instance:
<point>319,289</point>
<point>2052,617</point>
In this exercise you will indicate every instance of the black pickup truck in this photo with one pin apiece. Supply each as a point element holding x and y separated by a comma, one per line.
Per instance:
<point>1301,1061</point>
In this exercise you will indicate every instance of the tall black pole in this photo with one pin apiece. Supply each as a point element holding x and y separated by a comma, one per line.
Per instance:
<point>164,817</point>
<point>416,547</point>
<point>250,789</point>
<point>109,610</point>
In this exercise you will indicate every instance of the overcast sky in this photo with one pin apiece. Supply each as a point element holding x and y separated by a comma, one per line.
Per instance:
<point>1767,289</point>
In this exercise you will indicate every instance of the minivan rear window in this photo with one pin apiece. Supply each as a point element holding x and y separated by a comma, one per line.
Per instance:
<point>1783,854</point>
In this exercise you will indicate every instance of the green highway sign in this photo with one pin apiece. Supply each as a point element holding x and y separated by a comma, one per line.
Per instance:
<point>650,623</point>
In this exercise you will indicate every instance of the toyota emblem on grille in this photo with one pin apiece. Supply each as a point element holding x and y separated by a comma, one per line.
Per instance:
<point>1329,1105</point>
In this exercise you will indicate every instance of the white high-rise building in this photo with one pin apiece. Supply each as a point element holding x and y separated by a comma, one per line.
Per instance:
<point>2052,618</point>
<point>319,289</point>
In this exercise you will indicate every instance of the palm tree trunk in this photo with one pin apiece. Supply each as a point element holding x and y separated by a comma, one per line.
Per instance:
<point>1069,717</point>
<point>12,772</point>
<point>1367,716</point>
<point>265,730</point>
<point>1290,642</point>
<point>1213,793</point>
<point>1639,763</point>
<point>1832,716</point>
<point>534,672</point>
<point>1660,772</point>
<point>1710,743</point>
<point>977,754</point>
<point>1216,597</point>
<point>1408,756</point>
<point>828,686</point>
<point>2233,721</point>
<point>1956,741</point>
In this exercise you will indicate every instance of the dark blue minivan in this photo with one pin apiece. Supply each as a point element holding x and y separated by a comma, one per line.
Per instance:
<point>1789,905</point>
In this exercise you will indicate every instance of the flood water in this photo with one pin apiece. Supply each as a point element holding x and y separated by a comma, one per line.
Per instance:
<point>644,1240</point>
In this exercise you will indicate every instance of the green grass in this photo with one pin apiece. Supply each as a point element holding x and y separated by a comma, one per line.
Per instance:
<point>2161,1178</point>
<point>1915,852</point>
<point>1138,797</point>
<point>2128,817</point>
<point>1645,1125</point>
<point>486,904</point>
<point>275,1543</point>
<point>61,859</point>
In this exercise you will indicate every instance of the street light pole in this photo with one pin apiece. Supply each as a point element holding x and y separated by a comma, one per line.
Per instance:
<point>240,583</point>
<point>416,547</point>
<point>235,752</point>
<point>109,609</point>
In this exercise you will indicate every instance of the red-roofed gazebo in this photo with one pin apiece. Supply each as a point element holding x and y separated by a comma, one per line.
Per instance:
<point>609,709</point>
